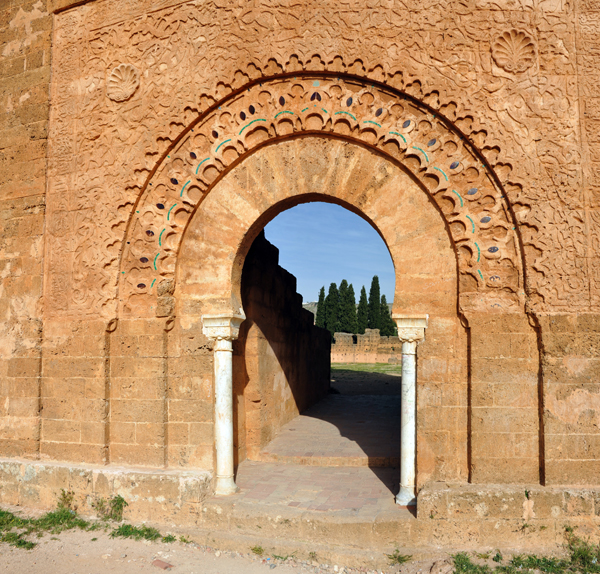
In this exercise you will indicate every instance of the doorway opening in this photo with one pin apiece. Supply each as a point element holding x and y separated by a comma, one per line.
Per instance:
<point>335,427</point>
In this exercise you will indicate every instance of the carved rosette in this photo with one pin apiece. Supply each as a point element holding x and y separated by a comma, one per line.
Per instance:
<point>514,51</point>
<point>122,83</point>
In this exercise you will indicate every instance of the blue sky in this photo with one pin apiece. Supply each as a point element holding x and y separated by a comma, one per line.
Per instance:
<point>323,243</point>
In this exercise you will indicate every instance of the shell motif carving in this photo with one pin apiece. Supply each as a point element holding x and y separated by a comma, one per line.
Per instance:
<point>514,51</point>
<point>123,82</point>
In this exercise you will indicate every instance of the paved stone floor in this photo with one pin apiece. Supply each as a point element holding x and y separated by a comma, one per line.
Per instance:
<point>341,430</point>
<point>359,491</point>
<point>339,456</point>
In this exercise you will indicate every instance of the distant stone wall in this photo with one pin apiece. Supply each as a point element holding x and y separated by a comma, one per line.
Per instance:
<point>368,348</point>
<point>281,360</point>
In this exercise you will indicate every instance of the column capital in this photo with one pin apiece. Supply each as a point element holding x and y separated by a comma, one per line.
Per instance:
<point>222,327</point>
<point>411,328</point>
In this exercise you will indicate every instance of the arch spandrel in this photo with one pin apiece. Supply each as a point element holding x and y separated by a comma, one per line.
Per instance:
<point>431,151</point>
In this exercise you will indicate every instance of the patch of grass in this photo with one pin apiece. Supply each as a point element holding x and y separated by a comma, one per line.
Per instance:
<point>312,556</point>
<point>583,555</point>
<point>14,530</point>
<point>292,555</point>
<point>94,539</point>
<point>386,368</point>
<point>258,550</point>
<point>396,558</point>
<point>111,509</point>
<point>8,521</point>
<point>168,538</point>
<point>541,563</point>
<point>66,499</point>
<point>483,555</point>
<point>584,558</point>
<point>184,540</point>
<point>464,565</point>
<point>17,539</point>
<point>59,520</point>
<point>136,532</point>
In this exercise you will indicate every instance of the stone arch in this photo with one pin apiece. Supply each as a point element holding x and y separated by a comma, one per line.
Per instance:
<point>432,151</point>
<point>311,168</point>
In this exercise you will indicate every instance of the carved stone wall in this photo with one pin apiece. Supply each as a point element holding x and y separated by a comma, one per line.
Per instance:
<point>488,110</point>
<point>515,107</point>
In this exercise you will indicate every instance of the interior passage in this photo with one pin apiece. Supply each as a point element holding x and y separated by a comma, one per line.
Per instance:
<point>341,455</point>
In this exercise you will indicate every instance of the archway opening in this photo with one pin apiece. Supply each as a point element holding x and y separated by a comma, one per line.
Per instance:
<point>284,358</point>
<point>288,173</point>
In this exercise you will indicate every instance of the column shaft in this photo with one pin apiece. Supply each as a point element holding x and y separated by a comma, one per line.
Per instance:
<point>224,416</point>
<point>223,329</point>
<point>408,434</point>
<point>411,329</point>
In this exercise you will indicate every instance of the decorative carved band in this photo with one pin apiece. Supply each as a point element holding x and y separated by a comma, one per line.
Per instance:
<point>445,163</point>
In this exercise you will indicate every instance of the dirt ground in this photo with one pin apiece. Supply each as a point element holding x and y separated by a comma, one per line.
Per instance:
<point>77,552</point>
<point>348,381</point>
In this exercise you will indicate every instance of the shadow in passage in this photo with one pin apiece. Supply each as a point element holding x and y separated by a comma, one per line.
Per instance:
<point>351,382</point>
<point>347,428</point>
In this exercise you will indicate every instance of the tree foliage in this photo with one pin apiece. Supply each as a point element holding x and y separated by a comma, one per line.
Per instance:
<point>362,312</point>
<point>388,327</point>
<point>332,309</point>
<point>320,318</point>
<point>338,312</point>
<point>347,321</point>
<point>374,314</point>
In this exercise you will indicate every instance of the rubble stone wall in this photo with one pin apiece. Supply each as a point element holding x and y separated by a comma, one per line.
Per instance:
<point>368,348</point>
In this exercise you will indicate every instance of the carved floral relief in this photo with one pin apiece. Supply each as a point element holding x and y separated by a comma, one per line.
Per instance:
<point>514,51</point>
<point>194,54</point>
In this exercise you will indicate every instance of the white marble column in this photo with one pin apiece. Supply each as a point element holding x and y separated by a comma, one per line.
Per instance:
<point>411,329</point>
<point>223,329</point>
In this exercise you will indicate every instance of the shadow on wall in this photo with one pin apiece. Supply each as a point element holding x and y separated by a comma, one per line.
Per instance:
<point>281,361</point>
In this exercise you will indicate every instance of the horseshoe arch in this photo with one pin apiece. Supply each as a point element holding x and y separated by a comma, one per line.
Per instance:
<point>427,146</point>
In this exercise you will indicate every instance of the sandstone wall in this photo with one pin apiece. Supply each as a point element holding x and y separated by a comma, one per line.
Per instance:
<point>119,371</point>
<point>367,348</point>
<point>25,54</point>
<point>281,360</point>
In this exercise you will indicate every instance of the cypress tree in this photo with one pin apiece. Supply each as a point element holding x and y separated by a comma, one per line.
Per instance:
<point>374,315</point>
<point>347,316</point>
<point>320,319</point>
<point>352,323</point>
<point>362,313</point>
<point>388,326</point>
<point>332,309</point>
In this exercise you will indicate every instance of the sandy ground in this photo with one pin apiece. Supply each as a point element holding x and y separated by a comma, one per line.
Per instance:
<point>75,552</point>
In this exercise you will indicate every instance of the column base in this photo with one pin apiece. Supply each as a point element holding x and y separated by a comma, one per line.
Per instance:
<point>225,486</point>
<point>406,496</point>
